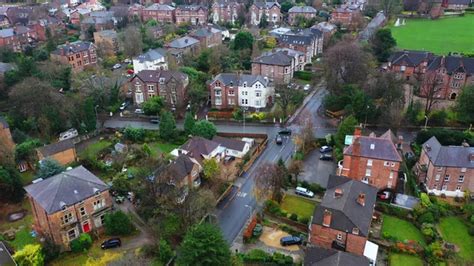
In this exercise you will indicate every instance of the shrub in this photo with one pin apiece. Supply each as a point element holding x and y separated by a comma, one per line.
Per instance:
<point>118,223</point>
<point>282,259</point>
<point>392,210</point>
<point>304,75</point>
<point>294,217</point>
<point>257,255</point>
<point>303,220</point>
<point>165,251</point>
<point>471,230</point>
<point>426,217</point>
<point>272,207</point>
<point>134,134</point>
<point>50,250</point>
<point>82,243</point>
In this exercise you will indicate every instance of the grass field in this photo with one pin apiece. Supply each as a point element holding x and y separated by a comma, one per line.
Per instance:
<point>455,231</point>
<point>401,230</point>
<point>440,36</point>
<point>397,259</point>
<point>298,205</point>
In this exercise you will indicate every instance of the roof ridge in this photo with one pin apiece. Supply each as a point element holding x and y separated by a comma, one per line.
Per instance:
<point>55,193</point>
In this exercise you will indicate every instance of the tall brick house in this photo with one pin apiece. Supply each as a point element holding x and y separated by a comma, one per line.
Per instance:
<point>372,160</point>
<point>6,140</point>
<point>68,204</point>
<point>160,13</point>
<point>226,11</point>
<point>270,9</point>
<point>171,85</point>
<point>307,12</point>
<point>308,41</point>
<point>447,170</point>
<point>193,14</point>
<point>78,55</point>
<point>208,36</point>
<point>344,15</point>
<point>278,66</point>
<point>17,37</point>
<point>411,65</point>
<point>343,218</point>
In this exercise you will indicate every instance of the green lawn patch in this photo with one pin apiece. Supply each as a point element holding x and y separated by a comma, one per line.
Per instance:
<point>397,259</point>
<point>401,230</point>
<point>455,231</point>
<point>96,147</point>
<point>158,148</point>
<point>298,205</point>
<point>449,34</point>
<point>22,238</point>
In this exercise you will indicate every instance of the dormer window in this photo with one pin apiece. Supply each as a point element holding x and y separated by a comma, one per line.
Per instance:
<point>355,231</point>
<point>162,80</point>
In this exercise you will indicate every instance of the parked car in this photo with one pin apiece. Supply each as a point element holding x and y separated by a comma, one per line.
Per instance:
<point>290,240</point>
<point>119,199</point>
<point>384,195</point>
<point>123,106</point>
<point>116,66</point>
<point>306,87</point>
<point>304,192</point>
<point>285,131</point>
<point>71,133</point>
<point>228,159</point>
<point>325,157</point>
<point>139,111</point>
<point>127,61</point>
<point>278,140</point>
<point>111,243</point>
<point>325,149</point>
<point>154,121</point>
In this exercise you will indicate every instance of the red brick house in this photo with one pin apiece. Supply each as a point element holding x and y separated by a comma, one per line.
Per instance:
<point>270,9</point>
<point>343,218</point>
<point>277,66</point>
<point>78,55</point>
<point>184,172</point>
<point>307,12</point>
<point>208,36</point>
<point>447,170</point>
<point>226,11</point>
<point>160,13</point>
<point>17,37</point>
<point>344,15</point>
<point>68,204</point>
<point>135,10</point>
<point>411,65</point>
<point>171,85</point>
<point>193,14</point>
<point>372,160</point>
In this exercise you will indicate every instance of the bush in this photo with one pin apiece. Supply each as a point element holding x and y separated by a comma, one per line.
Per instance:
<point>471,230</point>
<point>426,217</point>
<point>303,220</point>
<point>445,136</point>
<point>165,251</point>
<point>82,243</point>
<point>282,259</point>
<point>50,250</point>
<point>257,255</point>
<point>134,134</point>
<point>294,217</point>
<point>392,210</point>
<point>272,207</point>
<point>118,223</point>
<point>304,75</point>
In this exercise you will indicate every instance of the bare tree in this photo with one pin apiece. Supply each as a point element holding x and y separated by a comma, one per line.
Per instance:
<point>295,169</point>
<point>268,182</point>
<point>305,138</point>
<point>318,4</point>
<point>131,40</point>
<point>430,87</point>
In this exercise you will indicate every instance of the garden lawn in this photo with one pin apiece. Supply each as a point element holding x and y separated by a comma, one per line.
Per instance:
<point>298,205</point>
<point>397,259</point>
<point>455,231</point>
<point>93,149</point>
<point>159,147</point>
<point>22,238</point>
<point>401,230</point>
<point>449,34</point>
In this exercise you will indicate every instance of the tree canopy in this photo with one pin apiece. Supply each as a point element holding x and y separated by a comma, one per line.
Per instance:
<point>465,105</point>
<point>243,40</point>
<point>11,188</point>
<point>167,125</point>
<point>29,255</point>
<point>118,223</point>
<point>189,123</point>
<point>153,105</point>
<point>204,129</point>
<point>382,44</point>
<point>49,167</point>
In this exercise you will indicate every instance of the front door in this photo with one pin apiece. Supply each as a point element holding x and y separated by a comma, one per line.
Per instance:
<point>86,227</point>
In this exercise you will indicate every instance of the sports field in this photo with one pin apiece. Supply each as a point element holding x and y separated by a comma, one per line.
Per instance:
<point>453,34</point>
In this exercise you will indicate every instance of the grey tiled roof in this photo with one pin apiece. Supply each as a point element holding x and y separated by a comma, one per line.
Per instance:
<point>266,4</point>
<point>239,79</point>
<point>459,2</point>
<point>448,156</point>
<point>191,7</point>
<point>318,256</point>
<point>296,39</point>
<point>229,143</point>
<point>6,258</point>
<point>158,7</point>
<point>183,42</point>
<point>155,75</point>
<point>181,167</point>
<point>376,148</point>
<point>274,58</point>
<point>302,9</point>
<point>151,55</point>
<point>74,47</point>
<point>200,146</point>
<point>453,64</point>
<point>57,147</point>
<point>347,214</point>
<point>65,189</point>
<point>409,58</point>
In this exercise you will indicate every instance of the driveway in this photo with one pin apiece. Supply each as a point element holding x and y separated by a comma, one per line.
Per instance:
<point>317,171</point>
<point>144,237</point>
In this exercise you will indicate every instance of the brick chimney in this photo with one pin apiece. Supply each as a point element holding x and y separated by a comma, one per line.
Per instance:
<point>327,218</point>
<point>338,192</point>
<point>357,132</point>
<point>361,199</point>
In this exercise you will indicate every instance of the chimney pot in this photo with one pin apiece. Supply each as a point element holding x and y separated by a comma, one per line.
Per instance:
<point>327,218</point>
<point>338,192</point>
<point>357,132</point>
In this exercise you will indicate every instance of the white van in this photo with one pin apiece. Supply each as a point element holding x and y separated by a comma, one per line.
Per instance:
<point>304,192</point>
<point>71,133</point>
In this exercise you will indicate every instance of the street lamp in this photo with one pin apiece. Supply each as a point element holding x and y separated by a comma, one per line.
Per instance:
<point>426,122</point>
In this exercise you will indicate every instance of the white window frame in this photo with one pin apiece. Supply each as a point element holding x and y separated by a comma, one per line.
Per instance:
<point>369,162</point>
<point>437,177</point>
<point>446,178</point>
<point>368,172</point>
<point>339,236</point>
<point>386,163</point>
<point>461,179</point>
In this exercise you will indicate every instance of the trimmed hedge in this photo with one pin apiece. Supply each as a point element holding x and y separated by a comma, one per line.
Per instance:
<point>304,75</point>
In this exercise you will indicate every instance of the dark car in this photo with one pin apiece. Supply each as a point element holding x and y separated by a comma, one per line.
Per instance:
<point>290,240</point>
<point>384,195</point>
<point>325,149</point>
<point>285,131</point>
<point>154,121</point>
<point>278,140</point>
<point>325,157</point>
<point>111,243</point>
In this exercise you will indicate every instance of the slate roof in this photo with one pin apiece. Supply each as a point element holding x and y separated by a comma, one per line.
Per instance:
<point>274,58</point>
<point>453,64</point>
<point>205,31</point>
<point>347,214</point>
<point>199,145</point>
<point>383,148</point>
<point>181,167</point>
<point>266,4</point>
<point>310,32</point>
<point>289,51</point>
<point>155,75</point>
<point>448,156</point>
<point>317,256</point>
<point>228,78</point>
<point>65,189</point>
<point>151,55</point>
<point>6,258</point>
<point>302,9</point>
<point>229,143</point>
<point>57,147</point>
<point>225,3</point>
<point>373,25</point>
<point>158,7</point>
<point>183,42</point>
<point>459,2</point>
<point>74,47</point>
<point>409,58</point>
<point>296,39</point>
<point>191,7</point>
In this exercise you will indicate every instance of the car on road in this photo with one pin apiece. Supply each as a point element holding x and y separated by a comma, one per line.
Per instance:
<point>278,140</point>
<point>306,87</point>
<point>304,192</point>
<point>285,131</point>
<point>69,134</point>
<point>116,66</point>
<point>325,149</point>
<point>111,243</point>
<point>325,157</point>
<point>290,240</point>
<point>123,106</point>
<point>154,121</point>
<point>384,195</point>
<point>139,111</point>
<point>119,199</point>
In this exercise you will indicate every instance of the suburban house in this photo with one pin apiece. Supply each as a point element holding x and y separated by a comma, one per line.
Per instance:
<point>233,147</point>
<point>277,66</point>
<point>208,36</point>
<point>200,149</point>
<point>78,55</point>
<point>318,256</point>
<point>372,160</point>
<point>184,172</point>
<point>299,57</point>
<point>343,218</point>
<point>153,59</point>
<point>184,45</point>
<point>307,12</point>
<point>17,37</point>
<point>411,65</point>
<point>447,170</point>
<point>307,41</point>
<point>226,11</point>
<point>457,4</point>
<point>107,41</point>
<point>160,13</point>
<point>170,85</point>
<point>64,152</point>
<point>193,14</point>
<point>344,15</point>
<point>135,11</point>
<point>328,29</point>
<point>446,76</point>
<point>263,9</point>
<point>99,20</point>
<point>68,204</point>
<point>229,90</point>
<point>54,25</point>
<point>6,139</point>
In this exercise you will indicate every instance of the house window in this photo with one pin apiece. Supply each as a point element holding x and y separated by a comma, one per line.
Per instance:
<point>368,172</point>
<point>435,186</point>
<point>151,88</point>
<point>389,184</point>
<point>369,162</point>
<point>245,93</point>
<point>71,234</point>
<point>446,178</point>
<point>245,85</point>
<point>458,187</point>
<point>218,100</point>
<point>365,179</point>
<point>440,168</point>
<point>463,170</point>
<point>437,177</point>
<point>99,204</point>
<point>385,163</point>
<point>258,103</point>
<point>402,68</point>
<point>461,179</point>
<point>392,164</point>
<point>444,187</point>
<point>230,101</point>
<point>67,218</point>
<point>339,236</point>
<point>258,94</point>
<point>245,101</point>
<point>218,92</point>
<point>355,231</point>
<point>78,55</point>
<point>162,80</point>
<point>231,92</point>
<point>82,211</point>
<point>391,175</point>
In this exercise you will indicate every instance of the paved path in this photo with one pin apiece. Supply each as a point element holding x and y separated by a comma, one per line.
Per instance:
<point>144,237</point>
